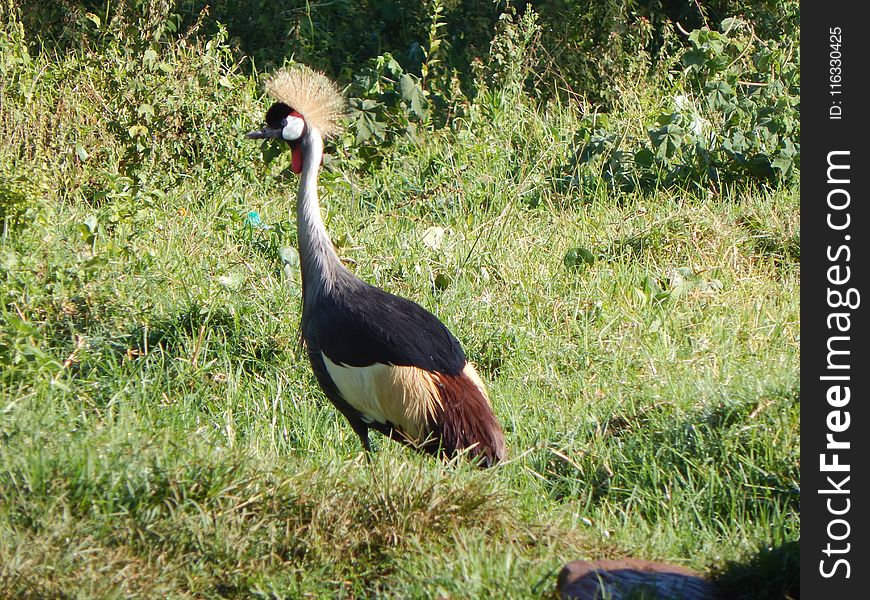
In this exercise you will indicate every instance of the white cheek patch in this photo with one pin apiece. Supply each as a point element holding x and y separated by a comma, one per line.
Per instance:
<point>293,129</point>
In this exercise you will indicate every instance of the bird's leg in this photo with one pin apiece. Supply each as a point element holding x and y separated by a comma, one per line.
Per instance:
<point>362,430</point>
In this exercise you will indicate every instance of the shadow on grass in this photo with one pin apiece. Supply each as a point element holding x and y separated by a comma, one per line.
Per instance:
<point>782,247</point>
<point>720,453</point>
<point>769,574</point>
<point>200,333</point>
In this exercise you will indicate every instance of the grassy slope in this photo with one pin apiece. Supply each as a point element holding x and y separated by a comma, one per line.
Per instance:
<point>161,433</point>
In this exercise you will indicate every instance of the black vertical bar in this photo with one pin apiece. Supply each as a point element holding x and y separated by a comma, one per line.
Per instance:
<point>835,56</point>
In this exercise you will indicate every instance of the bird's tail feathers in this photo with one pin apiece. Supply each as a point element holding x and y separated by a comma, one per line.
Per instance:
<point>468,424</point>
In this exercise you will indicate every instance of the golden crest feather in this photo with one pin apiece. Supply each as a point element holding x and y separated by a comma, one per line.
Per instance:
<point>312,94</point>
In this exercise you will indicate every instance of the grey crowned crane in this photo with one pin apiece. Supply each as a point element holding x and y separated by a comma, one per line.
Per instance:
<point>384,361</point>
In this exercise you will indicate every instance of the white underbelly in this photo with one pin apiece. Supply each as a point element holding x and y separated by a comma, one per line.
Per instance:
<point>359,387</point>
<point>407,397</point>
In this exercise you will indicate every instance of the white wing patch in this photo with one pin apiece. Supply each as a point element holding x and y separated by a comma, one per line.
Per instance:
<point>407,397</point>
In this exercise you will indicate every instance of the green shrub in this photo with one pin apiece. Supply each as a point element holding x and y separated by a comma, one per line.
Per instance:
<point>731,113</point>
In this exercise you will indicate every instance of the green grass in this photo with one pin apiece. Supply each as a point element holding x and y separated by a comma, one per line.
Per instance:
<point>161,434</point>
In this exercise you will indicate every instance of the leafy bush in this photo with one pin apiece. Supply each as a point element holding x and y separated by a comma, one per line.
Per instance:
<point>132,110</point>
<point>385,102</point>
<point>732,113</point>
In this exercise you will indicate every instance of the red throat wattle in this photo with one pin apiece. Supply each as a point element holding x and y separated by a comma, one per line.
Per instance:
<point>296,156</point>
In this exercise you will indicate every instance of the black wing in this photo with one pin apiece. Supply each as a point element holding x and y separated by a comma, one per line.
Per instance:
<point>360,324</point>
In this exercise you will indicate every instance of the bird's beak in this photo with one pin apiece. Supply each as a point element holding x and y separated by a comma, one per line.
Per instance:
<point>265,133</point>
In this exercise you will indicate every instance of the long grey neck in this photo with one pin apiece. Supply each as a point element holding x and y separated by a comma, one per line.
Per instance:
<point>318,260</point>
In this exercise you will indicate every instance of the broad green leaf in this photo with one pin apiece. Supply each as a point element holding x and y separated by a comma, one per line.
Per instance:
<point>667,140</point>
<point>644,158</point>
<point>413,94</point>
<point>736,142</point>
<point>670,118</point>
<point>442,281</point>
<point>719,95</point>
<point>694,60</point>
<point>784,163</point>
<point>578,257</point>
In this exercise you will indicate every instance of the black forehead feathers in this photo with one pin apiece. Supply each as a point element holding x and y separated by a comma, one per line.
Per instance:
<point>277,113</point>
